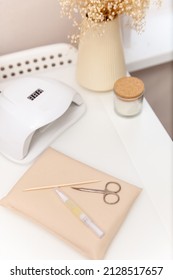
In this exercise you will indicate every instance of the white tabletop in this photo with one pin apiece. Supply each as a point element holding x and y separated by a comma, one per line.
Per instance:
<point>137,150</point>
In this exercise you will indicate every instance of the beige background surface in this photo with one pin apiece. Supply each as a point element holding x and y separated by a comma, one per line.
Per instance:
<point>30,23</point>
<point>159,92</point>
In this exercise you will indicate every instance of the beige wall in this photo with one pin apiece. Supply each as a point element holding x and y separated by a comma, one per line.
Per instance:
<point>30,23</point>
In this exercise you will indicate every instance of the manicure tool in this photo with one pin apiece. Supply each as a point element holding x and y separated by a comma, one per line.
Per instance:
<point>110,196</point>
<point>78,212</point>
<point>60,185</point>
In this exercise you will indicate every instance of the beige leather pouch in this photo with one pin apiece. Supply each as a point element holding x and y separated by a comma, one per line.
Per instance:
<point>46,208</point>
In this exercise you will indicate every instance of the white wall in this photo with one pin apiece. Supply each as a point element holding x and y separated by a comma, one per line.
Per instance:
<point>29,23</point>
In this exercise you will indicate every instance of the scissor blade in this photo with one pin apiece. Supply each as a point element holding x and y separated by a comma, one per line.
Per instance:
<point>88,190</point>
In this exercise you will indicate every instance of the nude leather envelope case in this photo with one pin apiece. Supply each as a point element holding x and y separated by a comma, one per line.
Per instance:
<point>46,208</point>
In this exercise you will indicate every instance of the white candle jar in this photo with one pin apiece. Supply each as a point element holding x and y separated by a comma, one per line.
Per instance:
<point>128,97</point>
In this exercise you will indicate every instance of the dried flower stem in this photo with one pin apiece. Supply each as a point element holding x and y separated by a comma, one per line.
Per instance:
<point>98,11</point>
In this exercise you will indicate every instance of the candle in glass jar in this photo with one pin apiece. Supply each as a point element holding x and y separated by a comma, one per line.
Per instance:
<point>128,97</point>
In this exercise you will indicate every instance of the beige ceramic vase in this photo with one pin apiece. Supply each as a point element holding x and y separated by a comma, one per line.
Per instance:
<point>100,57</point>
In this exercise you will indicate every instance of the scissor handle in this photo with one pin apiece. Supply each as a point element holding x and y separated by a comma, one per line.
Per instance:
<point>111,193</point>
<point>115,183</point>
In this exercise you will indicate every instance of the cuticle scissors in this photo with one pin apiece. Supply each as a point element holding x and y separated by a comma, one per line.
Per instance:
<point>107,193</point>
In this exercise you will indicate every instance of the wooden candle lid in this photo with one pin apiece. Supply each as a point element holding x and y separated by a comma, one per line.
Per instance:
<point>129,88</point>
